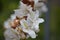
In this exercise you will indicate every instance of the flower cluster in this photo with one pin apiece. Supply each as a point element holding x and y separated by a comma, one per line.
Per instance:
<point>24,23</point>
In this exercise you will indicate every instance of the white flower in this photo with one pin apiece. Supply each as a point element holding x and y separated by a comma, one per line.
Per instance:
<point>38,5</point>
<point>20,13</point>
<point>23,10</point>
<point>11,35</point>
<point>30,32</point>
<point>41,6</point>
<point>35,25</point>
<point>27,29</point>
<point>29,26</point>
<point>35,20</point>
<point>33,15</point>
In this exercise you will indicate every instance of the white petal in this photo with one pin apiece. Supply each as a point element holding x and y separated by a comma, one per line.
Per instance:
<point>36,28</point>
<point>44,8</point>
<point>31,16</point>
<point>30,32</point>
<point>20,13</point>
<point>35,25</point>
<point>38,5</point>
<point>22,5</point>
<point>13,16</point>
<point>39,20</point>
<point>29,8</point>
<point>29,22</point>
<point>10,35</point>
<point>36,15</point>
<point>24,23</point>
<point>35,1</point>
<point>23,11</point>
<point>7,25</point>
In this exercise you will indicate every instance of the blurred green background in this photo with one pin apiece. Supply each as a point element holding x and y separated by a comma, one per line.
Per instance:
<point>7,7</point>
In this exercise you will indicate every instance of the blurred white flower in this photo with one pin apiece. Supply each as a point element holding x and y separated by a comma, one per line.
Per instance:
<point>35,25</point>
<point>40,6</point>
<point>10,34</point>
<point>29,26</point>
<point>27,29</point>
<point>33,15</point>
<point>35,20</point>
<point>23,10</point>
<point>30,32</point>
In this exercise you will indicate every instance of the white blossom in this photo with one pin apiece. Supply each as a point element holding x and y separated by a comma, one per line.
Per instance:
<point>29,26</point>
<point>35,25</point>
<point>27,29</point>
<point>33,15</point>
<point>30,32</point>
<point>10,34</point>
<point>41,6</point>
<point>23,10</point>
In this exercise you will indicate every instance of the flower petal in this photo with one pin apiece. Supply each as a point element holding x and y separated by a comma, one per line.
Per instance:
<point>30,32</point>
<point>39,20</point>
<point>44,8</point>
<point>24,23</point>
<point>6,24</point>
<point>13,16</point>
